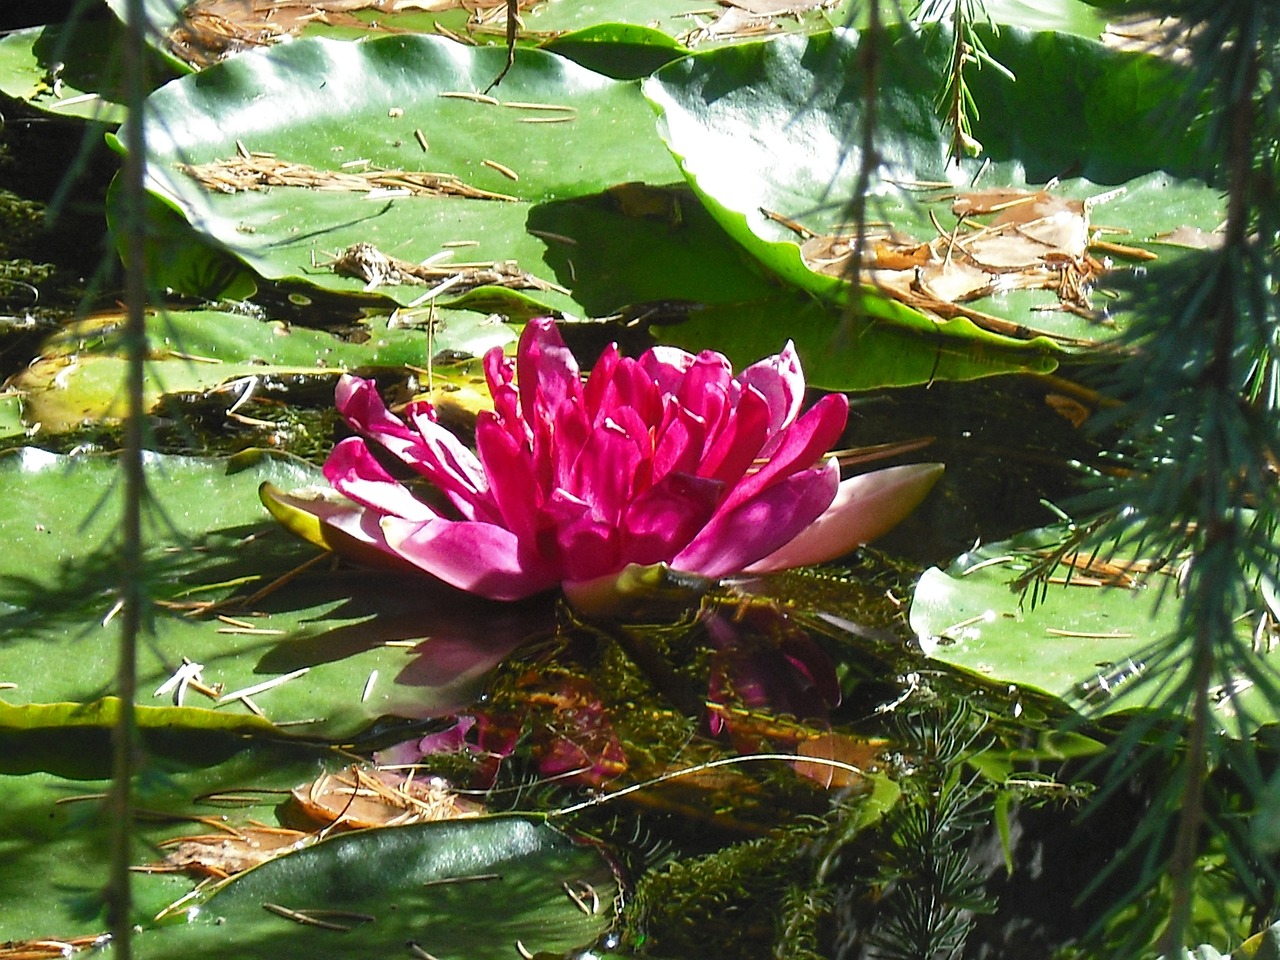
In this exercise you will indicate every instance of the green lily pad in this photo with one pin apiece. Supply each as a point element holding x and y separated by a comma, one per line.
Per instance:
<point>600,135</point>
<point>77,378</point>
<point>1096,644</point>
<point>65,70</point>
<point>1063,16</point>
<point>11,424</point>
<point>351,646</point>
<point>624,51</point>
<point>893,347</point>
<point>435,885</point>
<point>53,867</point>
<point>1082,112</point>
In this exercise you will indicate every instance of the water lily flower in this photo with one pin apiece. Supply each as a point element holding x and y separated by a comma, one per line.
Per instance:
<point>667,458</point>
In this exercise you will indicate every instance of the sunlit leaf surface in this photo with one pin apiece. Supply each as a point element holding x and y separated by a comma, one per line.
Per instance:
<point>336,650</point>
<point>1086,636</point>
<point>76,380</point>
<point>436,885</point>
<point>766,134</point>
<point>412,104</point>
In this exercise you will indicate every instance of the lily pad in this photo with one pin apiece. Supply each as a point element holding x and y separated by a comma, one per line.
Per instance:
<point>890,348</point>
<point>76,380</point>
<point>565,132</point>
<point>433,885</point>
<point>65,70</point>
<point>72,69</point>
<point>337,650</point>
<point>54,827</point>
<point>1094,636</point>
<point>779,112</point>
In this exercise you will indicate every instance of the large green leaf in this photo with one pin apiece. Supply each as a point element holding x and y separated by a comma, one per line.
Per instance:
<point>76,380</point>
<point>372,644</point>
<point>772,126</point>
<point>412,885</point>
<point>55,829</point>
<point>376,96</point>
<point>1097,647</point>
<point>68,71</point>
<point>892,347</point>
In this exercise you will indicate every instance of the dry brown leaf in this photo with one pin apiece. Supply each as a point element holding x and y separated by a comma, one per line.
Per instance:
<point>363,797</point>
<point>840,748</point>
<point>211,30</point>
<point>259,171</point>
<point>223,854</point>
<point>49,948</point>
<point>992,200</point>
<point>953,281</point>
<point>1034,240</point>
<point>366,262</point>
<point>733,23</point>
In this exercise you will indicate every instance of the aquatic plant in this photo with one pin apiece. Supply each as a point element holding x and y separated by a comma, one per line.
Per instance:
<point>669,458</point>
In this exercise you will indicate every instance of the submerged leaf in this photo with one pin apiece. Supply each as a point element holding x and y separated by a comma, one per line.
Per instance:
<point>433,885</point>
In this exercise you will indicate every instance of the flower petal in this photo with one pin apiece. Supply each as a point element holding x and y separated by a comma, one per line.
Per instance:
<point>509,464</point>
<point>546,372</point>
<point>332,522</point>
<point>736,448</point>
<point>360,405</point>
<point>451,466</point>
<point>666,366</point>
<point>357,475</point>
<point>759,526</point>
<point>667,516</point>
<point>865,507</point>
<point>480,558</point>
<point>781,381</point>
<point>427,447</point>
<point>798,447</point>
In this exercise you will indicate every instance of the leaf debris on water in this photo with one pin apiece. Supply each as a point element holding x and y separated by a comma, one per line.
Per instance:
<point>258,172</point>
<point>366,262</point>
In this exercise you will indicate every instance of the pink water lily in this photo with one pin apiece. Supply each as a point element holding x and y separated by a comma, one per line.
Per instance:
<point>666,458</point>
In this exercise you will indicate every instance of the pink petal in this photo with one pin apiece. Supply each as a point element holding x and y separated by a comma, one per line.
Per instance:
<point>500,372</point>
<point>705,389</point>
<point>865,507</point>
<point>546,373</point>
<point>798,447</point>
<point>781,381</point>
<point>589,548</point>
<point>600,381</point>
<point>354,473</point>
<point>753,529</point>
<point>428,448</point>
<point>360,405</point>
<point>666,366</point>
<point>479,558</point>
<point>452,467</point>
<point>620,382</point>
<point>667,516</point>
<point>736,448</point>
<point>510,465</point>
<point>606,471</point>
<point>359,533</point>
<point>679,443</point>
